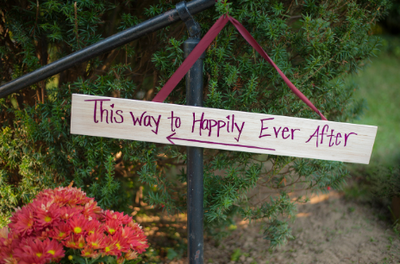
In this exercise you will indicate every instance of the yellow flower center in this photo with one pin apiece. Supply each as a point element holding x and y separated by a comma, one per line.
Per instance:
<point>94,244</point>
<point>39,254</point>
<point>47,219</point>
<point>107,249</point>
<point>70,257</point>
<point>111,230</point>
<point>91,232</point>
<point>80,245</point>
<point>87,253</point>
<point>52,252</point>
<point>118,246</point>
<point>77,230</point>
<point>61,234</point>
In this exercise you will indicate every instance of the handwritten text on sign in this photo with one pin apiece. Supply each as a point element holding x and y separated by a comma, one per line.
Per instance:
<point>221,129</point>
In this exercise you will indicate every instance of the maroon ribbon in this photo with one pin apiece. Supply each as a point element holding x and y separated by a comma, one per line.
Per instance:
<point>202,46</point>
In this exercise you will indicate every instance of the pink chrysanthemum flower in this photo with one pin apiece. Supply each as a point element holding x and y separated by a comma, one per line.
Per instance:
<point>71,242</point>
<point>60,232</point>
<point>138,241</point>
<point>74,196</point>
<point>110,249</point>
<point>81,242</point>
<point>22,221</point>
<point>46,216</point>
<point>92,210</point>
<point>6,255</point>
<point>65,196</point>
<point>77,224</point>
<point>53,249</point>
<point>32,250</point>
<point>67,212</point>
<point>111,226</point>
<point>65,217</point>
<point>120,260</point>
<point>96,240</point>
<point>93,226</point>
<point>131,255</point>
<point>90,253</point>
<point>131,237</point>
<point>75,242</point>
<point>120,217</point>
<point>121,241</point>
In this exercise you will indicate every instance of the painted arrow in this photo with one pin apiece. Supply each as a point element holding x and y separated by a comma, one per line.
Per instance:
<point>170,137</point>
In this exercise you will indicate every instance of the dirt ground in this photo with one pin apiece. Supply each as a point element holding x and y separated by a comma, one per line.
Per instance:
<point>328,229</point>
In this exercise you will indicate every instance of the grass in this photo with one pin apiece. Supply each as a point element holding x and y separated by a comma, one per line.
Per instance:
<point>379,85</point>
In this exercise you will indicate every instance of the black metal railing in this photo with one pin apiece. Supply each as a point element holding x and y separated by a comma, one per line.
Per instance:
<point>103,46</point>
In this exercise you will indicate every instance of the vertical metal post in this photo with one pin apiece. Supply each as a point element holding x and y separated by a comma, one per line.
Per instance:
<point>195,188</point>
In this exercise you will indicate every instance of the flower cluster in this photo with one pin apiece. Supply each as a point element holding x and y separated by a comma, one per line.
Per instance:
<point>63,218</point>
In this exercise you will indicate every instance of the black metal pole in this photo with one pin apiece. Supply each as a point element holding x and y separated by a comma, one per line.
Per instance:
<point>195,188</point>
<point>103,46</point>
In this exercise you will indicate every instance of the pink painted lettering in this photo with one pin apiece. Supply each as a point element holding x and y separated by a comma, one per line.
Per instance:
<point>106,115</point>
<point>146,120</point>
<point>217,126</point>
<point>264,128</point>
<point>334,138</point>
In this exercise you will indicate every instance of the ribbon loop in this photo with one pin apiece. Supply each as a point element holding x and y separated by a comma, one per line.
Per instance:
<point>202,46</point>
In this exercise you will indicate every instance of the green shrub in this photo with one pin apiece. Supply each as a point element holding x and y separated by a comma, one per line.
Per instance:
<point>315,43</point>
<point>385,183</point>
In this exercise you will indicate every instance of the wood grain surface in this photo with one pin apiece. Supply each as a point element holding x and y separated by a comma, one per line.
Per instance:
<point>221,129</point>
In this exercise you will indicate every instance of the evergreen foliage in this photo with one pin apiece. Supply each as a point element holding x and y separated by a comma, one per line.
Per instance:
<point>315,43</point>
<point>385,183</point>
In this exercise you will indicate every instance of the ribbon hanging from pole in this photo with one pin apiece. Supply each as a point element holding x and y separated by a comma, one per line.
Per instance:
<point>202,46</point>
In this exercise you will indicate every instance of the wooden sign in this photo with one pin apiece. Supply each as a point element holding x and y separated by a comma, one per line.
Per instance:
<point>221,129</point>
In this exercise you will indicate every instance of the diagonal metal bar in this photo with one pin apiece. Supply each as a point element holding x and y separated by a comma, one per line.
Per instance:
<point>103,46</point>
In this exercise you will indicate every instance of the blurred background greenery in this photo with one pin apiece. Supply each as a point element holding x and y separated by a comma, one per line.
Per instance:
<point>379,85</point>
